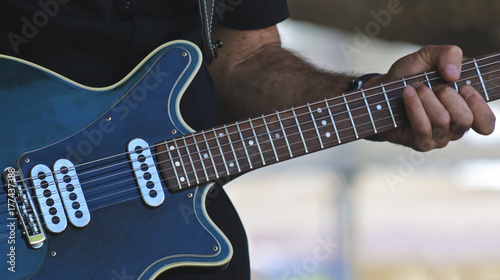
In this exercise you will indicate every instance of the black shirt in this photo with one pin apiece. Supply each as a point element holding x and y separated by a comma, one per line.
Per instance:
<point>98,42</point>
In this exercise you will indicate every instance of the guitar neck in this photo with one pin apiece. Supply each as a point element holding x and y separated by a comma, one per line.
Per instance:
<point>235,148</point>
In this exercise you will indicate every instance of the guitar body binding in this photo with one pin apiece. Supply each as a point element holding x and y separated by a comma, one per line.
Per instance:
<point>59,119</point>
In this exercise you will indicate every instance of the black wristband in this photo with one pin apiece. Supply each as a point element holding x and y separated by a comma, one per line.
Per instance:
<point>358,83</point>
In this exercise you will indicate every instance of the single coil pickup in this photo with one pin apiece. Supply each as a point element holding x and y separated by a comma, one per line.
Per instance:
<point>48,198</point>
<point>71,193</point>
<point>146,174</point>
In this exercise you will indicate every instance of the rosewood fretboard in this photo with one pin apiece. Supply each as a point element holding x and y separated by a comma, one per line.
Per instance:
<point>235,148</point>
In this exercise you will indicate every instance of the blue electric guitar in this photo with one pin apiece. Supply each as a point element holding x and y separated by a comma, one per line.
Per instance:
<point>103,182</point>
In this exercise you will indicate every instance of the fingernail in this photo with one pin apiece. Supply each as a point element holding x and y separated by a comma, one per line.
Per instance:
<point>410,91</point>
<point>467,91</point>
<point>439,88</point>
<point>416,85</point>
<point>452,70</point>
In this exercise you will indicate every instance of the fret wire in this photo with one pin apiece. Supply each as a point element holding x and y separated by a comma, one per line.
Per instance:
<point>232,148</point>
<point>201,157</point>
<point>211,156</point>
<point>284,134</point>
<point>456,86</point>
<point>182,164</point>
<point>389,105</point>
<point>270,138</point>
<point>384,91</point>
<point>108,157</point>
<point>244,146</point>
<point>341,130</point>
<point>398,106</point>
<point>173,165</point>
<point>350,116</point>
<point>428,80</point>
<point>392,115</point>
<point>481,79</point>
<point>191,160</point>
<point>315,126</point>
<point>257,142</point>
<point>220,149</point>
<point>369,111</point>
<point>391,110</point>
<point>404,82</point>
<point>333,121</point>
<point>433,79</point>
<point>300,130</point>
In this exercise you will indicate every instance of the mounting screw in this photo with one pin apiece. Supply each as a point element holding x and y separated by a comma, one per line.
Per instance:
<point>26,160</point>
<point>108,118</point>
<point>190,195</point>
<point>53,253</point>
<point>184,54</point>
<point>174,131</point>
<point>215,248</point>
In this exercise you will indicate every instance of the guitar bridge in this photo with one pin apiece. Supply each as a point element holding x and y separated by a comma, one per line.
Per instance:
<point>22,209</point>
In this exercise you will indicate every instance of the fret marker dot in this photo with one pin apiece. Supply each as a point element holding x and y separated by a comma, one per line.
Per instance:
<point>182,179</point>
<point>319,110</point>
<point>277,135</point>
<point>205,155</point>
<point>172,148</point>
<point>231,164</point>
<point>221,134</point>
<point>250,142</point>
<point>468,82</point>
<point>177,163</point>
<point>379,107</point>
<point>327,134</point>
<point>323,122</point>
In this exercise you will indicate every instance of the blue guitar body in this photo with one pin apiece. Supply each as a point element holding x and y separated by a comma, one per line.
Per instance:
<point>45,117</point>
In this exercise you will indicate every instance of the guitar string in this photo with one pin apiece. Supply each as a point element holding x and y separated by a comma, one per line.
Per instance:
<point>238,140</point>
<point>426,74</point>
<point>133,188</point>
<point>267,142</point>
<point>332,99</point>
<point>465,63</point>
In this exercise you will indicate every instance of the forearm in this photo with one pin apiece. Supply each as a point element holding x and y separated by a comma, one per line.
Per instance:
<point>271,79</point>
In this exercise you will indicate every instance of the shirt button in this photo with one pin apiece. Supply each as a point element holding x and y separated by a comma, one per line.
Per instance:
<point>128,5</point>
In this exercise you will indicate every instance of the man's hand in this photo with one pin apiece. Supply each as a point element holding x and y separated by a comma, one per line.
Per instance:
<point>440,116</point>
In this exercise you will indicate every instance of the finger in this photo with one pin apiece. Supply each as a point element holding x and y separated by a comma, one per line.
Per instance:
<point>437,114</point>
<point>484,119</point>
<point>446,59</point>
<point>461,117</point>
<point>420,135</point>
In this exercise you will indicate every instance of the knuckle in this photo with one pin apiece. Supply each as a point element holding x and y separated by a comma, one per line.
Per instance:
<point>442,144</point>
<point>442,119</point>
<point>423,145</point>
<point>453,49</point>
<point>422,132</point>
<point>462,123</point>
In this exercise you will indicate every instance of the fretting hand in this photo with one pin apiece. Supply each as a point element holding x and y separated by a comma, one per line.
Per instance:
<point>440,115</point>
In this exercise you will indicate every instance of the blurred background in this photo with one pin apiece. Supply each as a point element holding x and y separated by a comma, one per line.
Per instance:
<point>377,211</point>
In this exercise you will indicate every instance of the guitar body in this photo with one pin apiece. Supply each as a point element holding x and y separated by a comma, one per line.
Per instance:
<point>45,117</point>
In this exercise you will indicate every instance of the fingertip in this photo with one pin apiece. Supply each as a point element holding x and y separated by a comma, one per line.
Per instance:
<point>409,91</point>
<point>466,91</point>
<point>451,72</point>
